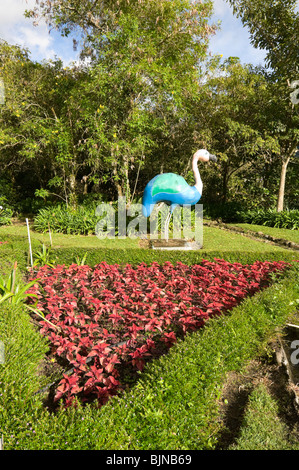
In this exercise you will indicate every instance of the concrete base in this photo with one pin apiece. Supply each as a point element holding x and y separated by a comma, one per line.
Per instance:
<point>174,244</point>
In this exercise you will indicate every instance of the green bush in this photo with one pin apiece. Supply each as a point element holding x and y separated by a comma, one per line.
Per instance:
<point>5,215</point>
<point>61,219</point>
<point>81,220</point>
<point>133,256</point>
<point>227,212</point>
<point>18,250</point>
<point>271,218</point>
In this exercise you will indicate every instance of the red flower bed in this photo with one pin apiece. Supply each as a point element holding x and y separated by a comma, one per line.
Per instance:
<point>108,316</point>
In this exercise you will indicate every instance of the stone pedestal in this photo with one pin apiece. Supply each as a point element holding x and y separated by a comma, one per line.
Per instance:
<point>174,244</point>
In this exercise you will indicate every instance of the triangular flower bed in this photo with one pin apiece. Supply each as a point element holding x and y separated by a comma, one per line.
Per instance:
<point>110,317</point>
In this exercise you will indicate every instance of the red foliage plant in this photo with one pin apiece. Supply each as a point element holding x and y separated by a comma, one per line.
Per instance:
<point>109,315</point>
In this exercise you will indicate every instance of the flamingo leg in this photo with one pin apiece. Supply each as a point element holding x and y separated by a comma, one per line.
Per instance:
<point>166,228</point>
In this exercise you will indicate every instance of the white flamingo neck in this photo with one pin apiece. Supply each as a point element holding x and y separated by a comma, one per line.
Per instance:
<point>198,182</point>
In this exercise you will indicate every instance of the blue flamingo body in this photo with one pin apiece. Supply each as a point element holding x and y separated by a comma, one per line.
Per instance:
<point>171,189</point>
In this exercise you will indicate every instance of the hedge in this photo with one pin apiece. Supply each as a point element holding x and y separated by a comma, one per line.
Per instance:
<point>134,257</point>
<point>174,405</point>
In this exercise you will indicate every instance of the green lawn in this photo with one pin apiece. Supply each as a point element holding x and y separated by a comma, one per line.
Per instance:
<point>213,240</point>
<point>262,428</point>
<point>286,234</point>
<point>19,233</point>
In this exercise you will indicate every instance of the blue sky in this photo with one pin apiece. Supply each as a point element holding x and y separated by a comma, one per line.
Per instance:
<point>231,40</point>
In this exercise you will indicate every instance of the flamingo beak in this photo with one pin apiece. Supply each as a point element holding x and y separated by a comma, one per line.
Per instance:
<point>212,158</point>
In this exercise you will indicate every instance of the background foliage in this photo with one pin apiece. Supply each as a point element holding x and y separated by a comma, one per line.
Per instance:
<point>145,96</point>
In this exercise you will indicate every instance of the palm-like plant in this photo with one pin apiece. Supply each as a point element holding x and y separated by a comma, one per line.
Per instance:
<point>14,291</point>
<point>43,257</point>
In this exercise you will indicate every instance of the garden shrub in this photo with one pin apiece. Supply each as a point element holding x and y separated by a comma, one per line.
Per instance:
<point>82,220</point>
<point>227,212</point>
<point>5,215</point>
<point>136,256</point>
<point>6,209</point>
<point>148,306</point>
<point>235,212</point>
<point>175,405</point>
<point>61,219</point>
<point>17,250</point>
<point>271,218</point>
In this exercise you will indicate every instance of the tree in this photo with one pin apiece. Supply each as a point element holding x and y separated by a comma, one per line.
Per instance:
<point>144,57</point>
<point>19,114</point>
<point>233,110</point>
<point>39,132</point>
<point>274,26</point>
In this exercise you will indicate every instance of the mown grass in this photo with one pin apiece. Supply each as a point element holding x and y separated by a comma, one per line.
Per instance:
<point>70,248</point>
<point>286,234</point>
<point>262,428</point>
<point>213,239</point>
<point>18,234</point>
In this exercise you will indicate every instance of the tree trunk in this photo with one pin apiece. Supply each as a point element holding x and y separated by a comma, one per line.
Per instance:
<point>117,183</point>
<point>280,202</point>
<point>224,184</point>
<point>84,181</point>
<point>72,190</point>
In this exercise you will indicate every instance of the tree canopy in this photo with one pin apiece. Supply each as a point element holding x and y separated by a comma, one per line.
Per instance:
<point>144,96</point>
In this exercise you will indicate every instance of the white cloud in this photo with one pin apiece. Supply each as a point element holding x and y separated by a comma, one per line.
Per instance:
<point>16,29</point>
<point>37,38</point>
<point>232,39</point>
<point>221,8</point>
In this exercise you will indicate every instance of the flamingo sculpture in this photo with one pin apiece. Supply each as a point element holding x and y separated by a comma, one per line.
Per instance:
<point>174,190</point>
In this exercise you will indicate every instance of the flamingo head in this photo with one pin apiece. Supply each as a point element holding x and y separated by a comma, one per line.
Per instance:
<point>204,156</point>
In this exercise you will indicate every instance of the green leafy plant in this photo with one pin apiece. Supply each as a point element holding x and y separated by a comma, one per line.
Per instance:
<point>16,292</point>
<point>13,290</point>
<point>43,257</point>
<point>61,219</point>
<point>5,215</point>
<point>271,218</point>
<point>81,261</point>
